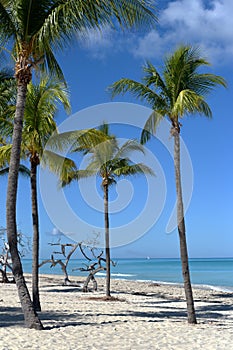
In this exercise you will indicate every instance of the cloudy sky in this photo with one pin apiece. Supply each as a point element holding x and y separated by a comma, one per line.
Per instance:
<point>205,23</point>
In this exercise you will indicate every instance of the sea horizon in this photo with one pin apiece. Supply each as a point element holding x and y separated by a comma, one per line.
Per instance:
<point>213,273</point>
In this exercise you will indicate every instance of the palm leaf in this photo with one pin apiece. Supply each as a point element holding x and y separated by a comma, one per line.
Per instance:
<point>152,77</point>
<point>137,89</point>
<point>24,171</point>
<point>128,147</point>
<point>151,125</point>
<point>5,153</point>
<point>76,140</point>
<point>134,169</point>
<point>55,162</point>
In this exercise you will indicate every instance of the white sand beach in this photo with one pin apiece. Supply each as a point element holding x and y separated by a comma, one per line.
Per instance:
<point>143,316</point>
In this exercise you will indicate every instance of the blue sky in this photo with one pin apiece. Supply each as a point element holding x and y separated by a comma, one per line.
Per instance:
<point>91,67</point>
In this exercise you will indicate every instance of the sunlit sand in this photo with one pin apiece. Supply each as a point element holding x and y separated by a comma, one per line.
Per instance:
<point>141,316</point>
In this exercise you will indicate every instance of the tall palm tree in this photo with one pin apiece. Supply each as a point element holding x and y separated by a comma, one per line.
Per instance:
<point>35,29</point>
<point>39,124</point>
<point>109,161</point>
<point>178,91</point>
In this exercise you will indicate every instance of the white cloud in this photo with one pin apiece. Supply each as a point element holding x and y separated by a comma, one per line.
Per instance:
<point>207,24</point>
<point>99,44</point>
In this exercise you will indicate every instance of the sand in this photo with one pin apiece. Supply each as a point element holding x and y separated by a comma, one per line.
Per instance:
<point>143,316</point>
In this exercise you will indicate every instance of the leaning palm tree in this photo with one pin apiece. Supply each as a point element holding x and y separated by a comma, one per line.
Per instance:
<point>110,162</point>
<point>35,29</point>
<point>38,126</point>
<point>179,91</point>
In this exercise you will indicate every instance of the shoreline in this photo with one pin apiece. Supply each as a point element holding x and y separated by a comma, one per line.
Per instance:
<point>219,288</point>
<point>207,274</point>
<point>144,315</point>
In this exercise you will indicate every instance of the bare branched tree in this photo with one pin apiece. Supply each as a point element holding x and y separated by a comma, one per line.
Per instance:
<point>5,257</point>
<point>96,262</point>
<point>63,264</point>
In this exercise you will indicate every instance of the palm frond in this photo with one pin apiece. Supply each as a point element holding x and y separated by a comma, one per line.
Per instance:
<point>203,84</point>
<point>5,153</point>
<point>190,102</point>
<point>128,147</point>
<point>56,162</point>
<point>4,171</point>
<point>85,15</point>
<point>131,13</point>
<point>133,170</point>
<point>153,77</point>
<point>204,109</point>
<point>76,140</point>
<point>64,167</point>
<point>151,125</point>
<point>24,171</point>
<point>50,64</point>
<point>7,25</point>
<point>6,123</point>
<point>75,176</point>
<point>137,89</point>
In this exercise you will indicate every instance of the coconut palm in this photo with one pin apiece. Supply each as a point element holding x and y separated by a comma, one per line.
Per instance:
<point>109,161</point>
<point>180,90</point>
<point>39,124</point>
<point>35,29</point>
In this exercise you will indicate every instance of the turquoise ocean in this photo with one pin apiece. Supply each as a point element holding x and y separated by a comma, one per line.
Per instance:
<point>205,273</point>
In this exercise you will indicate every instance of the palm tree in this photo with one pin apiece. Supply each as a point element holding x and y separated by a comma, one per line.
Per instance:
<point>109,161</point>
<point>35,29</point>
<point>39,125</point>
<point>179,91</point>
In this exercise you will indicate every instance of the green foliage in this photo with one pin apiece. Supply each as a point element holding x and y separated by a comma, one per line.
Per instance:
<point>179,90</point>
<point>39,124</point>
<point>108,160</point>
<point>42,27</point>
<point>41,106</point>
<point>7,97</point>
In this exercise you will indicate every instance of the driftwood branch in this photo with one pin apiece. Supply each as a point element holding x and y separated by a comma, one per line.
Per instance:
<point>95,263</point>
<point>63,265</point>
<point>93,268</point>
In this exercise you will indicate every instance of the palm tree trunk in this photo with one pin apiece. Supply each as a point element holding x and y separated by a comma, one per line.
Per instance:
<point>30,316</point>
<point>35,249</point>
<point>182,233</point>
<point>107,247</point>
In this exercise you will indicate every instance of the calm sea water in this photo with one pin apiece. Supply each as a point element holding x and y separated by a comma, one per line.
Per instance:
<point>215,273</point>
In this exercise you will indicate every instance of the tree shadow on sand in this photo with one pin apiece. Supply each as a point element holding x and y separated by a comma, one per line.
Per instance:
<point>213,312</point>
<point>13,316</point>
